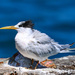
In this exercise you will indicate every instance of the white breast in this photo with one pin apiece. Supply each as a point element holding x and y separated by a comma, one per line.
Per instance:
<point>22,42</point>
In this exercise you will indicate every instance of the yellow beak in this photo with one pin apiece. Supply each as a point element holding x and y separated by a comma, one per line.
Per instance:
<point>9,27</point>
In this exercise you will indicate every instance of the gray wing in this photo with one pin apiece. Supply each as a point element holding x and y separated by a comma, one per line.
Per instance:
<point>44,45</point>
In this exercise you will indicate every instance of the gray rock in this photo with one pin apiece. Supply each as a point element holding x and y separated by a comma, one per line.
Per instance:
<point>16,66</point>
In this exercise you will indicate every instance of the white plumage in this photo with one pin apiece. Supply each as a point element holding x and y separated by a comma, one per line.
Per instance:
<point>36,45</point>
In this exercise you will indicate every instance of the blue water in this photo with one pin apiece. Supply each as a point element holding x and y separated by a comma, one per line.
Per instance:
<point>55,18</point>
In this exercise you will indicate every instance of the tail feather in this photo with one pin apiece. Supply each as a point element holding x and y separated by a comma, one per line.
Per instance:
<point>69,49</point>
<point>72,44</point>
<point>66,48</point>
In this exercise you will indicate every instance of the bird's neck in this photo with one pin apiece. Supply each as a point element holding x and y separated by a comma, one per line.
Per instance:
<point>24,35</point>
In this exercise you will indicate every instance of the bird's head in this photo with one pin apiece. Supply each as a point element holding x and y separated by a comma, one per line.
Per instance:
<point>20,26</point>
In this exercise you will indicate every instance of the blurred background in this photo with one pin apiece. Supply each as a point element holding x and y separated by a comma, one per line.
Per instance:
<point>53,17</point>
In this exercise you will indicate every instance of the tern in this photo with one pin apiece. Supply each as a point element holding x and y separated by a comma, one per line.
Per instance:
<point>35,45</point>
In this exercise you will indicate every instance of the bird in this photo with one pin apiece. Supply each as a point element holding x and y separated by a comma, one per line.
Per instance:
<point>34,44</point>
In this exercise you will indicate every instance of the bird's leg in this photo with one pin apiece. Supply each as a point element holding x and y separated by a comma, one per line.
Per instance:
<point>32,61</point>
<point>36,64</point>
<point>48,63</point>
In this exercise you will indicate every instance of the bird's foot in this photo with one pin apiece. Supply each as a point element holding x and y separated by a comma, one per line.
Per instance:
<point>34,67</point>
<point>36,64</point>
<point>48,63</point>
<point>32,61</point>
<point>31,68</point>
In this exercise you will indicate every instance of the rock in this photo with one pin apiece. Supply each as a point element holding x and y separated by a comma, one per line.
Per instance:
<point>16,66</point>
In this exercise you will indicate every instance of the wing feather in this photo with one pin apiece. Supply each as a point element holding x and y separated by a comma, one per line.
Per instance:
<point>44,45</point>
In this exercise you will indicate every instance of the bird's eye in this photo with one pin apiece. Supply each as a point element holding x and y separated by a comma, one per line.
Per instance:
<point>20,25</point>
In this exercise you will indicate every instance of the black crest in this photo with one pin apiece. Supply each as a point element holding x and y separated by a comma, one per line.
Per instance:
<point>27,24</point>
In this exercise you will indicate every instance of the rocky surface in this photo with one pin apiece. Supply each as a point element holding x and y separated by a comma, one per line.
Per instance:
<point>16,66</point>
